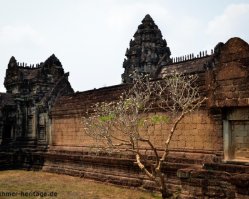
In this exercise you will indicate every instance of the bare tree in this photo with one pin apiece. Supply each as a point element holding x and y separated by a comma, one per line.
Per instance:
<point>127,124</point>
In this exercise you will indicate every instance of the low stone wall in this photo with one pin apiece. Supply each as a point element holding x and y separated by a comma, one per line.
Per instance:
<point>206,182</point>
<point>189,178</point>
<point>195,167</point>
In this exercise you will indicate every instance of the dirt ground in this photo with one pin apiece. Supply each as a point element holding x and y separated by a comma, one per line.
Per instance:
<point>28,185</point>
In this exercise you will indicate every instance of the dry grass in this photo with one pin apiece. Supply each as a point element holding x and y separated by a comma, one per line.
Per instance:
<point>25,182</point>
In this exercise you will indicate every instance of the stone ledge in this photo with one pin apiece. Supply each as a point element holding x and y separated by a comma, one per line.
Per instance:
<point>240,180</point>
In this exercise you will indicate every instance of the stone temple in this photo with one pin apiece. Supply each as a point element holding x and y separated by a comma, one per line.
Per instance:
<point>148,51</point>
<point>31,93</point>
<point>41,128</point>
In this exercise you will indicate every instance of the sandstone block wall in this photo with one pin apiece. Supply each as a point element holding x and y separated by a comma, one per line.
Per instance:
<point>227,83</point>
<point>202,141</point>
<point>198,131</point>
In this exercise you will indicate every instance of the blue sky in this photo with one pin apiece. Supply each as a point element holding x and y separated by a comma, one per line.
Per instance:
<point>90,37</point>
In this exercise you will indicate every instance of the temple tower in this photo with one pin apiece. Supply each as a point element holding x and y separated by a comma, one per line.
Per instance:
<point>147,52</point>
<point>32,90</point>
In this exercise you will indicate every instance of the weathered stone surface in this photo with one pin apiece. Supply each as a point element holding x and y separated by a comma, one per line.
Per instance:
<point>228,80</point>
<point>208,154</point>
<point>241,180</point>
<point>147,52</point>
<point>31,93</point>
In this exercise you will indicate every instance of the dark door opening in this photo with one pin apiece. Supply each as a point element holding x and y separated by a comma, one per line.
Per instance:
<point>6,138</point>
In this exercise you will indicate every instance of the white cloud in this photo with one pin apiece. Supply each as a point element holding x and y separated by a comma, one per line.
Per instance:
<point>232,22</point>
<point>16,35</point>
<point>121,16</point>
<point>184,37</point>
<point>90,37</point>
<point>21,41</point>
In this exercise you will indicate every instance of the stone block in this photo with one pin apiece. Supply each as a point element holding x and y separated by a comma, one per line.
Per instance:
<point>239,140</point>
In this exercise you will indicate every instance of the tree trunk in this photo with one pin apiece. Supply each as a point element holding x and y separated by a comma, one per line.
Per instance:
<point>166,193</point>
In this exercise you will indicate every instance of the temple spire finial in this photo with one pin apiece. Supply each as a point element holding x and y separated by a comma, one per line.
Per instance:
<point>147,18</point>
<point>12,62</point>
<point>52,60</point>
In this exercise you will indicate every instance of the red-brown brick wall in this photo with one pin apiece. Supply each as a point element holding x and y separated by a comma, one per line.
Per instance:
<point>228,81</point>
<point>198,131</point>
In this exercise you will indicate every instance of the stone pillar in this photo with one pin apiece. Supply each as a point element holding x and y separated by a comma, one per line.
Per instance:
<point>31,124</point>
<point>34,122</point>
<point>1,131</point>
<point>227,139</point>
<point>42,126</point>
<point>49,127</point>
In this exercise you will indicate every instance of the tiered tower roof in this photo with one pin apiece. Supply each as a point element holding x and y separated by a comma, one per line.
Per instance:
<point>147,52</point>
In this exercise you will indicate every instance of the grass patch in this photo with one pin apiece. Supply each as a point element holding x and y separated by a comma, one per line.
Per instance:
<point>37,184</point>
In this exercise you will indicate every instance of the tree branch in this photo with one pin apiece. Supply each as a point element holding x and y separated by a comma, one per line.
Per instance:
<point>153,149</point>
